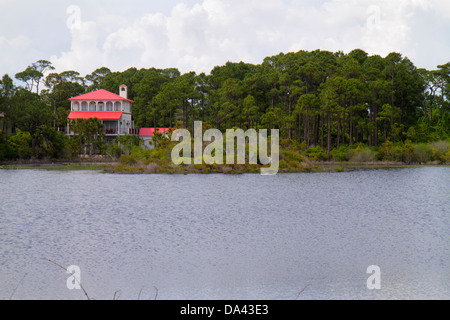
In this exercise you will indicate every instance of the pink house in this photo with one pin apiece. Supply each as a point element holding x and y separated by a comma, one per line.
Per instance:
<point>147,134</point>
<point>113,110</point>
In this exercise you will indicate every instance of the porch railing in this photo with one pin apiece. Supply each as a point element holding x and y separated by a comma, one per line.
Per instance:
<point>110,131</point>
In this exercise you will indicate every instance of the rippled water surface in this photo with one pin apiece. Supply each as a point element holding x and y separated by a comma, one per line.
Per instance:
<point>226,236</point>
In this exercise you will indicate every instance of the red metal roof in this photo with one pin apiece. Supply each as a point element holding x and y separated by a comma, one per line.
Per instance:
<point>149,132</point>
<point>102,115</point>
<point>100,95</point>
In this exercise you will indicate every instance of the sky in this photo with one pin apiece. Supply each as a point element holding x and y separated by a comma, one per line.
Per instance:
<point>197,35</point>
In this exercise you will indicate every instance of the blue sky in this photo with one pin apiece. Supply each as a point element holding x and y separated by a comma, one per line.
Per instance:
<point>196,35</point>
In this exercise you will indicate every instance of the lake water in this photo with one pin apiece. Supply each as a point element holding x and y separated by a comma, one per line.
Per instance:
<point>226,236</point>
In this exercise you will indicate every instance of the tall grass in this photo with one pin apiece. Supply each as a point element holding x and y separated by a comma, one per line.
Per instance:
<point>422,153</point>
<point>363,155</point>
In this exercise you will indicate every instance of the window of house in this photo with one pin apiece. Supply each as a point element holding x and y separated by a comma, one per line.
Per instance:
<point>100,106</point>
<point>109,106</point>
<point>84,106</point>
<point>92,106</point>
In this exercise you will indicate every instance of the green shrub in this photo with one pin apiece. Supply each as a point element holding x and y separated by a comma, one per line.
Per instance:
<point>283,164</point>
<point>407,154</point>
<point>446,158</point>
<point>363,155</point>
<point>291,155</point>
<point>395,154</point>
<point>400,152</point>
<point>128,159</point>
<point>5,149</point>
<point>161,154</point>
<point>290,144</point>
<point>115,151</point>
<point>20,145</point>
<point>316,153</point>
<point>422,153</point>
<point>439,150</point>
<point>383,150</point>
<point>344,153</point>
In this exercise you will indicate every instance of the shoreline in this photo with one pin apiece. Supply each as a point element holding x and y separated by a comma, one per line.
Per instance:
<point>117,168</point>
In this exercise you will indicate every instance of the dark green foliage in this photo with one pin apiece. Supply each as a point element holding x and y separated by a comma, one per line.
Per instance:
<point>20,145</point>
<point>408,152</point>
<point>344,153</point>
<point>89,136</point>
<point>327,102</point>
<point>316,153</point>
<point>422,153</point>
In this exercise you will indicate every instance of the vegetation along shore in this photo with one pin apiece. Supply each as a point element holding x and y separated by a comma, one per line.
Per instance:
<point>294,157</point>
<point>334,111</point>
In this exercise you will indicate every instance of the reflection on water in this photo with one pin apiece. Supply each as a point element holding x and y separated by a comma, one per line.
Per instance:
<point>226,236</point>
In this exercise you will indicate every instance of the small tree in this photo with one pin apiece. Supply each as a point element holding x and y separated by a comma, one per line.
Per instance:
<point>89,133</point>
<point>128,142</point>
<point>30,114</point>
<point>33,74</point>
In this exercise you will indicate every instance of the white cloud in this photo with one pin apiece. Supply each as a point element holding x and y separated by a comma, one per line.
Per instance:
<point>209,33</point>
<point>13,48</point>
<point>19,42</point>
<point>84,55</point>
<point>5,2</point>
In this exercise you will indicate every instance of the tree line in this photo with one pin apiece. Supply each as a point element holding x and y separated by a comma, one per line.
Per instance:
<point>316,98</point>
